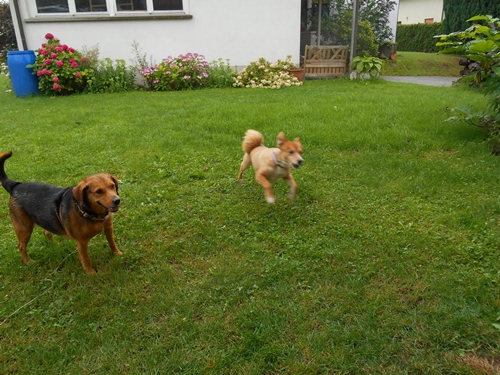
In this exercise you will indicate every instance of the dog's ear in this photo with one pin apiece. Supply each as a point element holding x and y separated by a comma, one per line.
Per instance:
<point>79,192</point>
<point>281,140</point>
<point>115,181</point>
<point>297,139</point>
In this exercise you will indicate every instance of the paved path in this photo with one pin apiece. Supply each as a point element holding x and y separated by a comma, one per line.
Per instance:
<point>429,81</point>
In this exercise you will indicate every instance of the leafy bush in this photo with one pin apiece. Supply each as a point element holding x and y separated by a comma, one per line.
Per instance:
<point>220,74</point>
<point>264,74</point>
<point>338,30</point>
<point>177,73</point>
<point>480,43</point>
<point>367,65</point>
<point>7,34</point>
<point>60,69</point>
<point>418,37</point>
<point>111,77</point>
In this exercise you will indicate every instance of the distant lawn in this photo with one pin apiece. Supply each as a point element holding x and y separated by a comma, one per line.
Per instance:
<point>422,64</point>
<point>386,263</point>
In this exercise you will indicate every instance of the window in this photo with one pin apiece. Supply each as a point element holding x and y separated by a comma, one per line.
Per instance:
<point>429,20</point>
<point>52,6</point>
<point>107,6</point>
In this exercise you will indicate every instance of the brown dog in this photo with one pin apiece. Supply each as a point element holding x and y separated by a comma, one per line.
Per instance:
<point>271,164</point>
<point>78,212</point>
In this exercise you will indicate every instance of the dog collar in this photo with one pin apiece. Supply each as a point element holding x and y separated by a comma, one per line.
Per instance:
<point>87,213</point>
<point>277,162</point>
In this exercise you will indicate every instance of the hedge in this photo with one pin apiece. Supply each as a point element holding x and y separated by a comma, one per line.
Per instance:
<point>418,37</point>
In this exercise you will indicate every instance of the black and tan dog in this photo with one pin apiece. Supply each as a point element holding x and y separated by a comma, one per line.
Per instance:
<point>78,212</point>
<point>271,164</point>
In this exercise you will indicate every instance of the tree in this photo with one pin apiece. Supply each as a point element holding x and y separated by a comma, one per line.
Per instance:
<point>7,34</point>
<point>376,12</point>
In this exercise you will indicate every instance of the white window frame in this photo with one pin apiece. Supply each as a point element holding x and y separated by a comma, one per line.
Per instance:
<point>111,10</point>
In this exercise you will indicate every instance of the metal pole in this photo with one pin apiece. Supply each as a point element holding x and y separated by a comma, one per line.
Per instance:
<point>20,25</point>
<point>354,35</point>
<point>320,2</point>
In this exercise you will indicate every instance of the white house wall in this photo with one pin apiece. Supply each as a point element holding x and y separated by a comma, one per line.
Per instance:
<point>241,31</point>
<point>417,11</point>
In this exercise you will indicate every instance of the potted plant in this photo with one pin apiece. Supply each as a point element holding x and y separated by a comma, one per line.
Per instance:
<point>387,50</point>
<point>366,67</point>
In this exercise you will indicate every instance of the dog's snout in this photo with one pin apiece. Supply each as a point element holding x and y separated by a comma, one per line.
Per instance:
<point>300,161</point>
<point>116,201</point>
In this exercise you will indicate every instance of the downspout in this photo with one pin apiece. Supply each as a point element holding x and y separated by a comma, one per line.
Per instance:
<point>20,24</point>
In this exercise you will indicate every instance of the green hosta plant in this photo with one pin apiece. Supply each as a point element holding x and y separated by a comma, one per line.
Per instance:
<point>367,65</point>
<point>60,69</point>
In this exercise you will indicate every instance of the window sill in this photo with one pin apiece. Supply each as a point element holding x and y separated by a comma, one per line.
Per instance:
<point>107,17</point>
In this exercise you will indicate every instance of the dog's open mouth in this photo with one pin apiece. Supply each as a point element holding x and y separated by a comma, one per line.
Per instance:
<point>110,209</point>
<point>295,165</point>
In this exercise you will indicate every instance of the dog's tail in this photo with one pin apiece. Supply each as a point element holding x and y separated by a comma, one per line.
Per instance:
<point>7,183</point>
<point>251,140</point>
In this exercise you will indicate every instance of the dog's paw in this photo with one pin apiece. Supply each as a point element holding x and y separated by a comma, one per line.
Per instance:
<point>271,200</point>
<point>291,197</point>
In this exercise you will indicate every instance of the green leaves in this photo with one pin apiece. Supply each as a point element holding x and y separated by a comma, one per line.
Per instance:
<point>367,65</point>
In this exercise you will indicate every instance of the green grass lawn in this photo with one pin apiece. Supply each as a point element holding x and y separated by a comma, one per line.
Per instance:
<point>387,262</point>
<point>422,64</point>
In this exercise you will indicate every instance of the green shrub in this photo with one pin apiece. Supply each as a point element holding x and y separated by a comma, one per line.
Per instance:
<point>111,77</point>
<point>418,37</point>
<point>480,43</point>
<point>220,74</point>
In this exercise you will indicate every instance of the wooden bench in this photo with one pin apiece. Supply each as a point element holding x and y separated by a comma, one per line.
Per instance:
<point>325,61</point>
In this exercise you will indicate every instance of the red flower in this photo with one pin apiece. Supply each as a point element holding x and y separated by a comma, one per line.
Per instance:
<point>49,36</point>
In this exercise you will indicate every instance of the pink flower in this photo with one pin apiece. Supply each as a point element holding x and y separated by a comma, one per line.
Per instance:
<point>53,55</point>
<point>187,77</point>
<point>59,49</point>
<point>74,65</point>
<point>55,79</point>
<point>71,50</point>
<point>43,52</point>
<point>78,75</point>
<point>47,62</point>
<point>56,86</point>
<point>71,59</point>
<point>49,36</point>
<point>44,45</point>
<point>59,63</point>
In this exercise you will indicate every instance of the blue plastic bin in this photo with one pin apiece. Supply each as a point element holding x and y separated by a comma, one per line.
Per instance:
<point>23,80</point>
